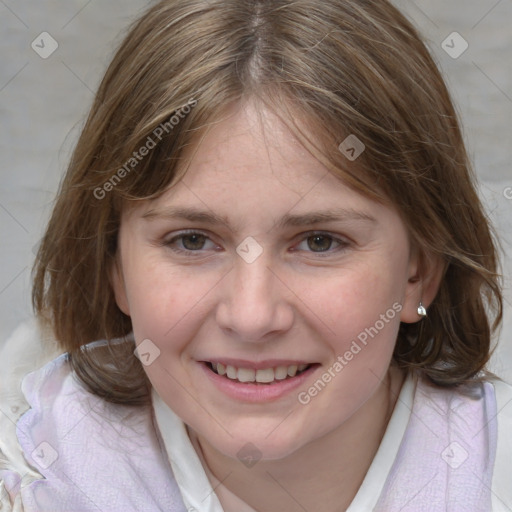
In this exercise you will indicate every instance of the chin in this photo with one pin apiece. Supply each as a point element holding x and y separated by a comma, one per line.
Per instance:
<point>263,444</point>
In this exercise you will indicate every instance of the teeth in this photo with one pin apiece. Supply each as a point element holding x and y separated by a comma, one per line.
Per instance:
<point>292,370</point>
<point>246,374</point>
<point>264,376</point>
<point>231,372</point>
<point>281,372</point>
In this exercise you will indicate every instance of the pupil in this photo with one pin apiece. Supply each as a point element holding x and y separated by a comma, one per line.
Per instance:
<point>197,242</point>
<point>317,240</point>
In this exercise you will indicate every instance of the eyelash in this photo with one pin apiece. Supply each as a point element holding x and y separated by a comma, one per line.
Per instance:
<point>343,243</point>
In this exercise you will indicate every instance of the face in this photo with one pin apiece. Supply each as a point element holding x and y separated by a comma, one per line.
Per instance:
<point>262,264</point>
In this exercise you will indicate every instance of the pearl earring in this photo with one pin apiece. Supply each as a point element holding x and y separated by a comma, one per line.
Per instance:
<point>421,310</point>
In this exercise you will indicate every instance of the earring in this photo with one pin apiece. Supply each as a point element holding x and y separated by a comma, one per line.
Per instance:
<point>421,310</point>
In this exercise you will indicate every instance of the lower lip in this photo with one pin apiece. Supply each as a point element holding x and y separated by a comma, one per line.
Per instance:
<point>256,392</point>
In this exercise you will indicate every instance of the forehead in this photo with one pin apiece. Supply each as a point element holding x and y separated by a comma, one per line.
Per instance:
<point>252,144</point>
<point>250,147</point>
<point>249,166</point>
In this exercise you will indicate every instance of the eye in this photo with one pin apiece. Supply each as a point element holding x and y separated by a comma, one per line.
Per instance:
<point>322,243</point>
<point>315,242</point>
<point>190,241</point>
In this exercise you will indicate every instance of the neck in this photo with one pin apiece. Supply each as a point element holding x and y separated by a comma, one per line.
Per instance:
<point>324,475</point>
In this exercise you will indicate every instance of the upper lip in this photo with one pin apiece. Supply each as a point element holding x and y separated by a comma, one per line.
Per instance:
<point>257,365</point>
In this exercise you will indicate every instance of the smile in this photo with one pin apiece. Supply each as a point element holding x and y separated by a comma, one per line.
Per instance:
<point>264,382</point>
<point>262,376</point>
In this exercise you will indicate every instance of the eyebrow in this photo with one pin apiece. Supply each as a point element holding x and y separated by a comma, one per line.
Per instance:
<point>304,219</point>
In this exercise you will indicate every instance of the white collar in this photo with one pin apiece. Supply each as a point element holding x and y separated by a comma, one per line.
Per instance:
<point>197,491</point>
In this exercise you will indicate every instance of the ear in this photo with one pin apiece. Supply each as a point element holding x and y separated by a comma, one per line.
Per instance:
<point>425,273</point>
<point>118,285</point>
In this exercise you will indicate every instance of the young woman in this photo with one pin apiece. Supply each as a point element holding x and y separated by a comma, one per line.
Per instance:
<point>271,276</point>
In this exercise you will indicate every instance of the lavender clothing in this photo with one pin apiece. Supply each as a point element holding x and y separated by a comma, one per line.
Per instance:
<point>447,456</point>
<point>438,453</point>
<point>93,455</point>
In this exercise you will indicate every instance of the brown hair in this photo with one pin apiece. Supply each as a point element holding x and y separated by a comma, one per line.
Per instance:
<point>340,67</point>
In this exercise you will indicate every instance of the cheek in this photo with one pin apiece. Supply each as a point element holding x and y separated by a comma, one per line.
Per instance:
<point>168,307</point>
<point>354,300</point>
<point>359,318</point>
<point>159,295</point>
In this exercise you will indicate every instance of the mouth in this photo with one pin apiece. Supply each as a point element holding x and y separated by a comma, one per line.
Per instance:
<point>265,376</point>
<point>257,383</point>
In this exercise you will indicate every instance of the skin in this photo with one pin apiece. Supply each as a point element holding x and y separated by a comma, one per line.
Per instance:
<point>302,298</point>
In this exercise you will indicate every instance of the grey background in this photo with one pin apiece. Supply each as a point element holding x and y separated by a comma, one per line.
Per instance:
<point>43,103</point>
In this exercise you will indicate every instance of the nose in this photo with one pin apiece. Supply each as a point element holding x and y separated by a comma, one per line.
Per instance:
<point>255,302</point>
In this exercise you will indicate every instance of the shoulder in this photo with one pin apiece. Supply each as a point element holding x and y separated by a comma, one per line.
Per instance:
<point>27,349</point>
<point>82,452</point>
<point>502,479</point>
<point>478,421</point>
<point>461,435</point>
<point>503,393</point>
